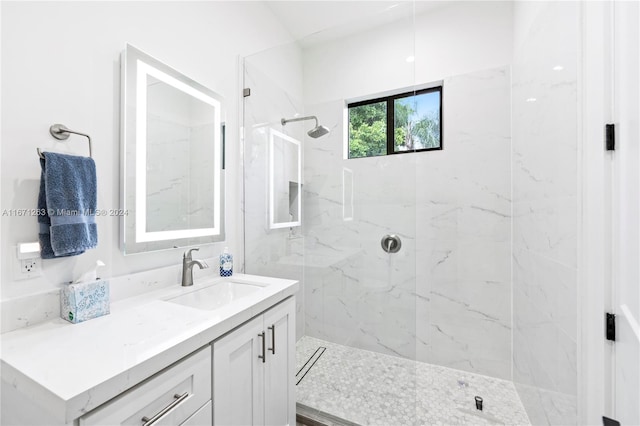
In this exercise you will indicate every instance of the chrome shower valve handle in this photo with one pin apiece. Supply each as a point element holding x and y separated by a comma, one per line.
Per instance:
<point>391,243</point>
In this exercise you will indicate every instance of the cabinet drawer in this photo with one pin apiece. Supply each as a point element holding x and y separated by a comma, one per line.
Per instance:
<point>204,417</point>
<point>170,396</point>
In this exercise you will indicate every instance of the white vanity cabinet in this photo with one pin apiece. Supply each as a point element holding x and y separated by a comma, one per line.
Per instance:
<point>179,395</point>
<point>253,380</point>
<point>154,361</point>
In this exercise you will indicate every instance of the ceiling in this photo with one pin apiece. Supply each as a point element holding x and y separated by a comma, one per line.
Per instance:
<point>313,21</point>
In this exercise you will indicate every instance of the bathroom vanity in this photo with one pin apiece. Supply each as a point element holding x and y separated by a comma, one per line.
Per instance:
<point>220,352</point>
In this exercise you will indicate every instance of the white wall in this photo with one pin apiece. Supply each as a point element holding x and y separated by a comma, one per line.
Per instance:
<point>456,39</point>
<point>61,64</point>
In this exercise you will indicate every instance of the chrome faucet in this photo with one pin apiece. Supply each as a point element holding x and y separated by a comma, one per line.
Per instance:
<point>187,267</point>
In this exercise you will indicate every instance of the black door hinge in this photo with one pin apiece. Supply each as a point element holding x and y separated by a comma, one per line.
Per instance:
<point>611,327</point>
<point>610,137</point>
<point>606,421</point>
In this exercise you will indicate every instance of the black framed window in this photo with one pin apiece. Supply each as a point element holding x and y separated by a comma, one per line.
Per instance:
<point>406,122</point>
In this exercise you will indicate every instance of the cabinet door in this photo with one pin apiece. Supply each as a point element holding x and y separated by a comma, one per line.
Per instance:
<point>238,376</point>
<point>280,325</point>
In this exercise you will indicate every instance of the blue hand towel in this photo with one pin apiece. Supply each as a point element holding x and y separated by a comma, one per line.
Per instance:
<point>68,197</point>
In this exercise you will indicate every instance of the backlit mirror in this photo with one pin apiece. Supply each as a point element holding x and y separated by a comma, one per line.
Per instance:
<point>285,181</point>
<point>172,148</point>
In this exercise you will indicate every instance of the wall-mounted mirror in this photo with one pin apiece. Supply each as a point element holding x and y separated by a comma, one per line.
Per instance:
<point>172,157</point>
<point>285,181</point>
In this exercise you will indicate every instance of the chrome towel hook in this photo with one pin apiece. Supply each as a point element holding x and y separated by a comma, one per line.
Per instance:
<point>61,132</point>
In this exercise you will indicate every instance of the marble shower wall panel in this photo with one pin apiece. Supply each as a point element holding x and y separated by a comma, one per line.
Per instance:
<point>545,158</point>
<point>545,209</point>
<point>358,294</point>
<point>544,407</point>
<point>464,230</point>
<point>544,336</point>
<point>445,297</point>
<point>270,252</point>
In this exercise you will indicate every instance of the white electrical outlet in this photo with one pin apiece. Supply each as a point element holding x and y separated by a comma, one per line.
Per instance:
<point>27,268</point>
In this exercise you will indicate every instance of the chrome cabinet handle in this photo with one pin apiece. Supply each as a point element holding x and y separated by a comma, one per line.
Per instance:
<point>273,339</point>
<point>262,357</point>
<point>146,421</point>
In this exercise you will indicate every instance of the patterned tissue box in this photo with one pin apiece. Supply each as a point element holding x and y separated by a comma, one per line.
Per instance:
<point>84,301</point>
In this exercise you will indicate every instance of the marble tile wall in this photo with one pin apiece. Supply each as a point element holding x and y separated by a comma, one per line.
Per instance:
<point>545,209</point>
<point>464,229</point>
<point>445,297</point>
<point>357,294</point>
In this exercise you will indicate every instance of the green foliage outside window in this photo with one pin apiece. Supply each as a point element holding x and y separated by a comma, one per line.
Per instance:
<point>416,125</point>
<point>368,130</point>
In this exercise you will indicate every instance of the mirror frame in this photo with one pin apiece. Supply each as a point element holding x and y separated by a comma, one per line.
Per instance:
<point>135,67</point>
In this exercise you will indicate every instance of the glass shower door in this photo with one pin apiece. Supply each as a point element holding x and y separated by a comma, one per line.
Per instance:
<point>356,310</point>
<point>360,299</point>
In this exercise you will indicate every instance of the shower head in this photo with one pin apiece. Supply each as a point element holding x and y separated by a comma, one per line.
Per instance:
<point>316,132</point>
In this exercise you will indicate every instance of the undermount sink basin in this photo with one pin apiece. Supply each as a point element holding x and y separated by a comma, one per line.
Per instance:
<point>216,296</point>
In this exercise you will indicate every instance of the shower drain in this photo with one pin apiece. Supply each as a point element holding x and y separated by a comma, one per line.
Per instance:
<point>309,364</point>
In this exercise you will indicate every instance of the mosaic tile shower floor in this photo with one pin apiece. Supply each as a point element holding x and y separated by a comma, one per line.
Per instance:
<point>374,389</point>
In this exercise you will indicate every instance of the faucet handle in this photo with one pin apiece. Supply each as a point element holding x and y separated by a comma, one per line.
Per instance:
<point>187,254</point>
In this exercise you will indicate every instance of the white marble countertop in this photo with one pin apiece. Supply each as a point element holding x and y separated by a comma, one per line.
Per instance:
<point>70,369</point>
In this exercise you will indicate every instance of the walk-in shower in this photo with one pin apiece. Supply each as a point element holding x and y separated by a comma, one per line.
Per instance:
<point>423,272</point>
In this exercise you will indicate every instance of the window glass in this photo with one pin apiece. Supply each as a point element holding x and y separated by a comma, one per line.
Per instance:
<point>368,130</point>
<point>417,122</point>
<point>396,124</point>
